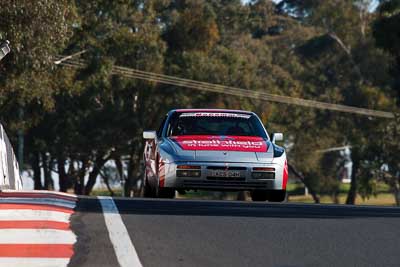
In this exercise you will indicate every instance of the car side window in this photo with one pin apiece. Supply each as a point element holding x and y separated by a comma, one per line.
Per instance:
<point>160,129</point>
<point>172,128</point>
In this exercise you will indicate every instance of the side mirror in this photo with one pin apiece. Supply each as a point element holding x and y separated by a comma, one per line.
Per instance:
<point>149,134</point>
<point>277,137</point>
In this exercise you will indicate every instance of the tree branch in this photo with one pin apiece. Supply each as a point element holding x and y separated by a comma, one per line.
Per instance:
<point>301,177</point>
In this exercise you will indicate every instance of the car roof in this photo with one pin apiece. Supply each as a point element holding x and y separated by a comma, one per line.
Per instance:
<point>212,111</point>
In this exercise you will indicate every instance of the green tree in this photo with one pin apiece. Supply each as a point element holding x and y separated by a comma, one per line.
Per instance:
<point>386,31</point>
<point>37,30</point>
<point>106,114</point>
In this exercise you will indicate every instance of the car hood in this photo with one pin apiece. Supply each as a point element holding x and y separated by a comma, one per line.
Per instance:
<point>223,148</point>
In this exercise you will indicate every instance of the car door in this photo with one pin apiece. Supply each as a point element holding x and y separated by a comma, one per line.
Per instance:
<point>151,155</point>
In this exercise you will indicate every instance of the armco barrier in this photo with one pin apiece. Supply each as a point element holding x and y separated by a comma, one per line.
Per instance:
<point>9,170</point>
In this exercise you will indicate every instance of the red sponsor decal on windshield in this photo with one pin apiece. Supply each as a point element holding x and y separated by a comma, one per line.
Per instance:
<point>221,143</point>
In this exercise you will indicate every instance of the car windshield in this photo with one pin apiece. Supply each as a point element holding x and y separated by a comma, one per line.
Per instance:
<point>203,123</point>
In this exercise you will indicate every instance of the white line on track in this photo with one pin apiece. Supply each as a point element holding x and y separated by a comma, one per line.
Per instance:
<point>34,262</point>
<point>48,201</point>
<point>34,215</point>
<point>36,236</point>
<point>123,246</point>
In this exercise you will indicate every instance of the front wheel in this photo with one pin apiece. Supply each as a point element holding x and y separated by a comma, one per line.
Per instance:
<point>148,191</point>
<point>276,196</point>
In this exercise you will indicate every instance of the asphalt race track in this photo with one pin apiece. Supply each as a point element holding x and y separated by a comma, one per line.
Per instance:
<point>220,233</point>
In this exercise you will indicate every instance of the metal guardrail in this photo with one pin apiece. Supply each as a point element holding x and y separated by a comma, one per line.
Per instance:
<point>10,177</point>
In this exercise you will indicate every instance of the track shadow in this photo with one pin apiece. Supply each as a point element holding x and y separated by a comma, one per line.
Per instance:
<point>238,209</point>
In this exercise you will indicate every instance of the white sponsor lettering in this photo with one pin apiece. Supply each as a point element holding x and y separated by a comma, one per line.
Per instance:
<point>218,143</point>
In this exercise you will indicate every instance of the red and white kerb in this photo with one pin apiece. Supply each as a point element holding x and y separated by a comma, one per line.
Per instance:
<point>35,228</point>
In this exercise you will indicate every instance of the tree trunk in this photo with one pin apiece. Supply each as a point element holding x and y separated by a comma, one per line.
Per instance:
<point>347,50</point>
<point>72,173</point>
<point>396,190</point>
<point>80,178</point>
<point>134,167</point>
<point>301,177</point>
<point>335,197</point>
<point>352,194</point>
<point>397,197</point>
<point>98,164</point>
<point>37,171</point>
<point>129,179</point>
<point>107,182</point>
<point>138,176</point>
<point>62,175</point>
<point>46,164</point>
<point>120,170</point>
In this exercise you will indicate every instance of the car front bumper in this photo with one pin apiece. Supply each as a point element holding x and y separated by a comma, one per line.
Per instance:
<point>246,181</point>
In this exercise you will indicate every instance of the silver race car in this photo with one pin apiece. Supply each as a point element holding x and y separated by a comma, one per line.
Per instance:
<point>214,150</point>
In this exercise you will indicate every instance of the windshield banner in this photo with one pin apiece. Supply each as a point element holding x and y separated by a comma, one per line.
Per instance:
<point>215,114</point>
<point>221,143</point>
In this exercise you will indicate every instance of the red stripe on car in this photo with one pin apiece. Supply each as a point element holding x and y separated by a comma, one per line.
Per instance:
<point>161,169</point>
<point>285,175</point>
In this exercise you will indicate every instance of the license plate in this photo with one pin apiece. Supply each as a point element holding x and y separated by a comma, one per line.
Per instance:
<point>223,173</point>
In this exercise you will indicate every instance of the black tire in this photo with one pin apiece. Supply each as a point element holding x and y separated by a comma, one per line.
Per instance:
<point>166,192</point>
<point>258,195</point>
<point>276,196</point>
<point>148,191</point>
